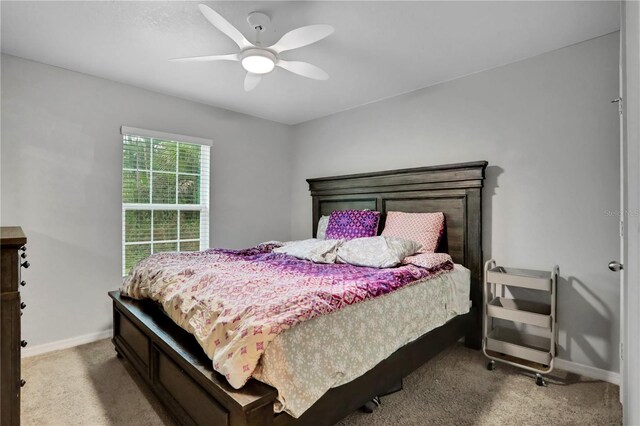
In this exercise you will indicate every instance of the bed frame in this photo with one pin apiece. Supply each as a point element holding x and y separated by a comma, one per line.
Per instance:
<point>176,368</point>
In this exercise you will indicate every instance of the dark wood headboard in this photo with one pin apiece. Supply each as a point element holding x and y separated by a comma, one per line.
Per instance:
<point>454,189</point>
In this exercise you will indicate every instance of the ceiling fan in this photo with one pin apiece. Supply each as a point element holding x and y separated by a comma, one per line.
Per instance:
<point>258,60</point>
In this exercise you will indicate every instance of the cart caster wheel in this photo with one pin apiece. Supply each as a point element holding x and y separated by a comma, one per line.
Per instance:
<point>540,381</point>
<point>491,365</point>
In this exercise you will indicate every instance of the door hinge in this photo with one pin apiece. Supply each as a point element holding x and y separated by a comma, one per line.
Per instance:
<point>622,228</point>
<point>621,350</point>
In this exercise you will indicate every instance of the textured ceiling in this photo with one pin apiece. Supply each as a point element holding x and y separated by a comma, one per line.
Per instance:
<point>379,49</point>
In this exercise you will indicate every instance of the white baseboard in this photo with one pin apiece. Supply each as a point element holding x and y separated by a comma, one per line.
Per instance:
<point>588,371</point>
<point>66,343</point>
<point>562,364</point>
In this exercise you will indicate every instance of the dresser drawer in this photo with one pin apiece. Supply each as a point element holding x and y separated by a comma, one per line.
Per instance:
<point>10,358</point>
<point>10,266</point>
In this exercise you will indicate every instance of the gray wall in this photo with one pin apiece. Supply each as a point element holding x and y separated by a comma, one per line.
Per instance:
<point>550,134</point>
<point>61,180</point>
<point>544,124</point>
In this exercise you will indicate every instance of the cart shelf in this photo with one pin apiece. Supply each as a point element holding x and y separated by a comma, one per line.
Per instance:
<point>526,278</point>
<point>520,345</point>
<point>523,311</point>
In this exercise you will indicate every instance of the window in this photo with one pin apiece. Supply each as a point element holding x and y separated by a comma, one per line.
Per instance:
<point>165,194</point>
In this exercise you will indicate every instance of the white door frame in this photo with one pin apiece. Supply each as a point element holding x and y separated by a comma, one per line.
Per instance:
<point>630,60</point>
<point>623,194</point>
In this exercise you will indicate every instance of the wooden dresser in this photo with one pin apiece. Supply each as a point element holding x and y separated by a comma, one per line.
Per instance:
<point>12,257</point>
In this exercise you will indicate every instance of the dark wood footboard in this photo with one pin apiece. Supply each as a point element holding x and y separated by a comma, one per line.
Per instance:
<point>177,370</point>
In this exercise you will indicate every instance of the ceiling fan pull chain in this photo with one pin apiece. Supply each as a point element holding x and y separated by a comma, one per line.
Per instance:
<point>258,30</point>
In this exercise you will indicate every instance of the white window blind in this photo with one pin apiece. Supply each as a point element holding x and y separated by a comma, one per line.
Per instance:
<point>165,196</point>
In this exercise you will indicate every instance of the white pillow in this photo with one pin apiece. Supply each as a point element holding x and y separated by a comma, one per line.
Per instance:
<point>376,252</point>
<point>322,227</point>
<point>319,251</point>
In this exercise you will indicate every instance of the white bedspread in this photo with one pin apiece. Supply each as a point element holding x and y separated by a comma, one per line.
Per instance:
<point>328,351</point>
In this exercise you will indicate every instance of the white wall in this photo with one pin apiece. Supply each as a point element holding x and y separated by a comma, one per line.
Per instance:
<point>61,180</point>
<point>550,134</point>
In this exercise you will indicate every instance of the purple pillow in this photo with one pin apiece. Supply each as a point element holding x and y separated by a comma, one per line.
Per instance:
<point>350,224</point>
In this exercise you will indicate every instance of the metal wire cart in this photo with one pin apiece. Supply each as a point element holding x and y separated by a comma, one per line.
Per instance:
<point>534,352</point>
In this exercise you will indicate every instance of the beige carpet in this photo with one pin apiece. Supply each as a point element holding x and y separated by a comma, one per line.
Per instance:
<point>87,385</point>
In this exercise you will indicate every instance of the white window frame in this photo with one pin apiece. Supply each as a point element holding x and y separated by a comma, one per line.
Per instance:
<point>202,207</point>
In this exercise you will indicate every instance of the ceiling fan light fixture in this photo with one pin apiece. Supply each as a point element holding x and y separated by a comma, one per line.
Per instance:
<point>258,61</point>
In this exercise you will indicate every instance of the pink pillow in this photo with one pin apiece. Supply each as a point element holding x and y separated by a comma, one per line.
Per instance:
<point>427,260</point>
<point>423,228</point>
<point>349,224</point>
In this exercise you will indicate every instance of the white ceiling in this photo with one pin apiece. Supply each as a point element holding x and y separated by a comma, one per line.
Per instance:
<point>379,49</point>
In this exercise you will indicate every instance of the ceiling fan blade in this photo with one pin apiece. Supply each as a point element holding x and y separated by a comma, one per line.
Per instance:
<point>251,81</point>
<point>224,26</point>
<point>303,36</point>
<point>304,69</point>
<point>229,57</point>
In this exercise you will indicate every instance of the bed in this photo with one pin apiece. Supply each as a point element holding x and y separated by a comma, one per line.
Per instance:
<point>176,368</point>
